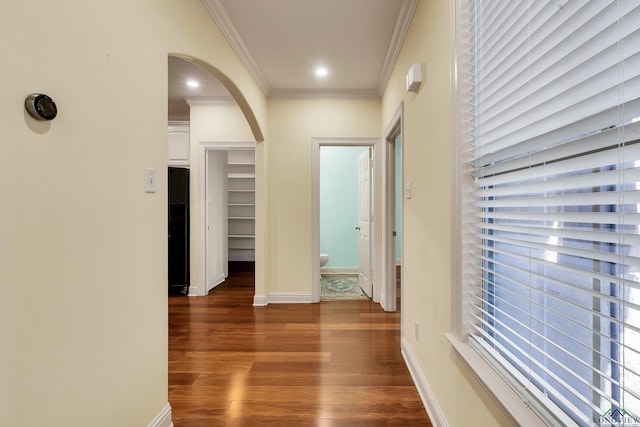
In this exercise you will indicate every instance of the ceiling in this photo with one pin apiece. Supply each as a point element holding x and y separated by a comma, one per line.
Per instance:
<point>282,42</point>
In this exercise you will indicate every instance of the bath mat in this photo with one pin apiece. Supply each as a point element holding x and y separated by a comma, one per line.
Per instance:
<point>341,286</point>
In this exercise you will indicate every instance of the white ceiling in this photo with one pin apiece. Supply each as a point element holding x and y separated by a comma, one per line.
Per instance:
<point>281,42</point>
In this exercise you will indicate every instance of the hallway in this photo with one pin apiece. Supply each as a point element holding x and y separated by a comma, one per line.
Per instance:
<point>336,363</point>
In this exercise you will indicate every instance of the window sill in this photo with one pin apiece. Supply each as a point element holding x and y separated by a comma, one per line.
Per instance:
<point>512,404</point>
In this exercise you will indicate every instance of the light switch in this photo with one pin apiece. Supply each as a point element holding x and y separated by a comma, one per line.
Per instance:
<point>150,180</point>
<point>407,190</point>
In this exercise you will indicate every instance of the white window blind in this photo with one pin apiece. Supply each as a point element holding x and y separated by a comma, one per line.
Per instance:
<point>555,159</point>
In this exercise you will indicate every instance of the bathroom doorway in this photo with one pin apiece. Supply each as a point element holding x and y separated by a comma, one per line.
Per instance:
<point>345,228</point>
<point>337,224</point>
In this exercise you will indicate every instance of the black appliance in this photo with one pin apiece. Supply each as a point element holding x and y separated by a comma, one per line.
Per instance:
<point>178,231</point>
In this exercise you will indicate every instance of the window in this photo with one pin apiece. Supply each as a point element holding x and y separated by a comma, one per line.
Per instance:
<point>553,153</point>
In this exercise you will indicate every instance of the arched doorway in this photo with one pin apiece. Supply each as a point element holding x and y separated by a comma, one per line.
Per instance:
<point>215,89</point>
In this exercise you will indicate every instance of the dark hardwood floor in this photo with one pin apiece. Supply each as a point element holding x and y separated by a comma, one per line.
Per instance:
<point>336,363</point>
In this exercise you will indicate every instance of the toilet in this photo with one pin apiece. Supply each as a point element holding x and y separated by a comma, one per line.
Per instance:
<point>324,259</point>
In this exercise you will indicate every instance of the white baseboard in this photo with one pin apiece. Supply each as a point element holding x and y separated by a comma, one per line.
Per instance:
<point>163,419</point>
<point>193,291</point>
<point>282,298</point>
<point>426,394</point>
<point>290,298</point>
<point>339,270</point>
<point>260,300</point>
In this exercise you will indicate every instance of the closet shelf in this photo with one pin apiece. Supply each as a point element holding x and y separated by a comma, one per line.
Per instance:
<point>242,191</point>
<point>241,176</point>
<point>241,205</point>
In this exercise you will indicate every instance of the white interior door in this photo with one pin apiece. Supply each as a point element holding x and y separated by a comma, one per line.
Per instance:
<point>364,222</point>
<point>216,218</point>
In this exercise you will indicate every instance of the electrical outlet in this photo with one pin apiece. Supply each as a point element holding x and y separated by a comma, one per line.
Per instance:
<point>416,330</point>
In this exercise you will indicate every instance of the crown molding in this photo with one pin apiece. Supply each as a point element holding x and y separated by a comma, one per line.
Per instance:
<point>323,94</point>
<point>225,24</point>
<point>210,100</point>
<point>407,10</point>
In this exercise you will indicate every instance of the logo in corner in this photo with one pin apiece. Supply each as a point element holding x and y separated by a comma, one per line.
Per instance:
<point>617,417</point>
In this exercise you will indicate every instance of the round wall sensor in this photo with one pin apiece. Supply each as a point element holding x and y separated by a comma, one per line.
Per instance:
<point>41,107</point>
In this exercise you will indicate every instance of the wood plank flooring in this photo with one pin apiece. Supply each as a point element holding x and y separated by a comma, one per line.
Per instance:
<point>336,363</point>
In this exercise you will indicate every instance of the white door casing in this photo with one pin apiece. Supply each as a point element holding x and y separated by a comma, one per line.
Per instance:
<point>364,222</point>
<point>377,200</point>
<point>388,298</point>
<point>199,268</point>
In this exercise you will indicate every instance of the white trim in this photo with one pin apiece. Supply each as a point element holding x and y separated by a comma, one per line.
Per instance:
<point>178,164</point>
<point>194,291</point>
<point>225,24</point>
<point>282,298</point>
<point>456,185</point>
<point>163,419</point>
<point>378,240</point>
<point>436,416</point>
<point>324,94</point>
<point>225,101</point>
<point>407,10</point>
<point>260,300</point>
<point>290,298</point>
<point>388,295</point>
<point>339,270</point>
<point>200,288</point>
<point>511,403</point>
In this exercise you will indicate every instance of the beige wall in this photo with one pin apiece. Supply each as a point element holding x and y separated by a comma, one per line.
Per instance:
<point>427,226</point>
<point>83,312</point>
<point>223,123</point>
<point>292,125</point>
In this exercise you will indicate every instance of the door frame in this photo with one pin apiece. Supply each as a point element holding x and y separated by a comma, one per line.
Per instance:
<point>201,248</point>
<point>393,130</point>
<point>376,203</point>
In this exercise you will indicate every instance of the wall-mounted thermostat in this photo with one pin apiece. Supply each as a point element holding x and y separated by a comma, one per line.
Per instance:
<point>41,107</point>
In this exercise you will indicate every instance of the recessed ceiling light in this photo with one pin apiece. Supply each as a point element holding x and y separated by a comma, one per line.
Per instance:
<point>193,83</point>
<point>321,72</point>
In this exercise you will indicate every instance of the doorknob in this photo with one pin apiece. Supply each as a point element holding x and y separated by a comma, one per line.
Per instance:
<point>357,228</point>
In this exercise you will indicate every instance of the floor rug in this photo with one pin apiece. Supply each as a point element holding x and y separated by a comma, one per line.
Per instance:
<point>341,286</point>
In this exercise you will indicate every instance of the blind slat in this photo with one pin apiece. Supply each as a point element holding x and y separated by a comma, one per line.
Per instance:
<point>565,142</point>
<point>556,230</point>
<point>600,218</point>
<point>580,199</point>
